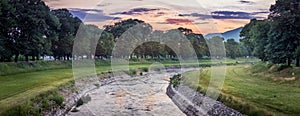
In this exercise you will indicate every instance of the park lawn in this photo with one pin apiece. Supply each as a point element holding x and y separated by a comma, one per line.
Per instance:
<point>19,88</point>
<point>248,93</point>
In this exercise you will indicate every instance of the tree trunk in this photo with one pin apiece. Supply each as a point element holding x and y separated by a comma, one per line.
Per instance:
<point>26,58</point>
<point>297,62</point>
<point>289,62</point>
<point>17,57</point>
<point>33,58</point>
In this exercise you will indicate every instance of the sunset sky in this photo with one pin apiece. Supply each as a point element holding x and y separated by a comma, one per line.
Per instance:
<point>203,16</point>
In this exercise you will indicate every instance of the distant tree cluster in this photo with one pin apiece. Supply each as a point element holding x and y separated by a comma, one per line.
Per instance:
<point>276,39</point>
<point>29,30</point>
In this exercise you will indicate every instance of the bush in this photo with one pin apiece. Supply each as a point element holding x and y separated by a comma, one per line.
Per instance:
<point>175,80</point>
<point>281,67</point>
<point>35,106</point>
<point>132,72</point>
<point>144,69</point>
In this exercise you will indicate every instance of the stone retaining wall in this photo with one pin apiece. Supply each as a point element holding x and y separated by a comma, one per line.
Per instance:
<point>193,103</point>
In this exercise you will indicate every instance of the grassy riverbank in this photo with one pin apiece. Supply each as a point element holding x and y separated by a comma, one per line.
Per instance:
<point>260,89</point>
<point>20,82</point>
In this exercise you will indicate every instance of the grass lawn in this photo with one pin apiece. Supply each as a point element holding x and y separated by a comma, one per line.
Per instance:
<point>252,94</point>
<point>22,81</point>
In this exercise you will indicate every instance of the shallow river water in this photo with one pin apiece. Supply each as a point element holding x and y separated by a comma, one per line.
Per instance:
<point>140,95</point>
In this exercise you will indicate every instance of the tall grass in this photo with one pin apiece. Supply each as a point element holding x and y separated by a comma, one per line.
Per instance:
<point>254,93</point>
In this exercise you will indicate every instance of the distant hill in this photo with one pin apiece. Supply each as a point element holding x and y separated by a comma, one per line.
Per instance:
<point>232,34</point>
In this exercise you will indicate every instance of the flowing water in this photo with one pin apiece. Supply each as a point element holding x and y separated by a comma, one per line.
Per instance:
<point>140,95</point>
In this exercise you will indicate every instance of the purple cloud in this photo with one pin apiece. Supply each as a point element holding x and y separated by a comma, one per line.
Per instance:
<point>246,2</point>
<point>177,21</point>
<point>226,15</point>
<point>134,11</point>
<point>91,15</point>
<point>200,16</point>
<point>231,15</point>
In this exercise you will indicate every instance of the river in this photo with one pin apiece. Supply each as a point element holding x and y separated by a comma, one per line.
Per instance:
<point>139,95</point>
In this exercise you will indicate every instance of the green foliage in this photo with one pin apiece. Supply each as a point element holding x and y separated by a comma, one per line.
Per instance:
<point>145,69</point>
<point>132,72</point>
<point>176,80</point>
<point>120,27</point>
<point>62,45</point>
<point>234,49</point>
<point>43,102</point>
<point>277,38</point>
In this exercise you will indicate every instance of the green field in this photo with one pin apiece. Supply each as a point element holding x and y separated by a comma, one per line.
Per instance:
<point>23,81</point>
<point>254,89</point>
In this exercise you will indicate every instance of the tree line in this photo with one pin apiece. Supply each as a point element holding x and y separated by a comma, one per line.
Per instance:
<point>276,39</point>
<point>29,29</point>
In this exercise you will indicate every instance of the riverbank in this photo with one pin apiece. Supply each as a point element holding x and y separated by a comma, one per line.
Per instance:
<point>260,89</point>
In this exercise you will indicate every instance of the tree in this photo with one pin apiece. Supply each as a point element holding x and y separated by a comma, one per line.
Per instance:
<point>120,27</point>
<point>216,48</point>
<point>246,35</point>
<point>232,48</point>
<point>297,55</point>
<point>129,34</point>
<point>199,44</point>
<point>185,31</point>
<point>105,45</point>
<point>63,45</point>
<point>284,34</point>
<point>7,22</point>
<point>255,37</point>
<point>29,35</point>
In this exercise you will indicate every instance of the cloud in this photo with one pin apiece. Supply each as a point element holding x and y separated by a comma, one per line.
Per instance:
<point>231,15</point>
<point>200,23</point>
<point>263,12</point>
<point>246,2</point>
<point>91,15</point>
<point>178,21</point>
<point>104,4</point>
<point>236,15</point>
<point>226,15</point>
<point>200,16</point>
<point>134,11</point>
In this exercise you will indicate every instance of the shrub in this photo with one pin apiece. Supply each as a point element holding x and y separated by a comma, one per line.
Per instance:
<point>175,80</point>
<point>145,69</point>
<point>132,72</point>
<point>35,106</point>
<point>281,67</point>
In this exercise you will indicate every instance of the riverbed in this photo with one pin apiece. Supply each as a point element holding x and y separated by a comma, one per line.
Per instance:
<point>138,95</point>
